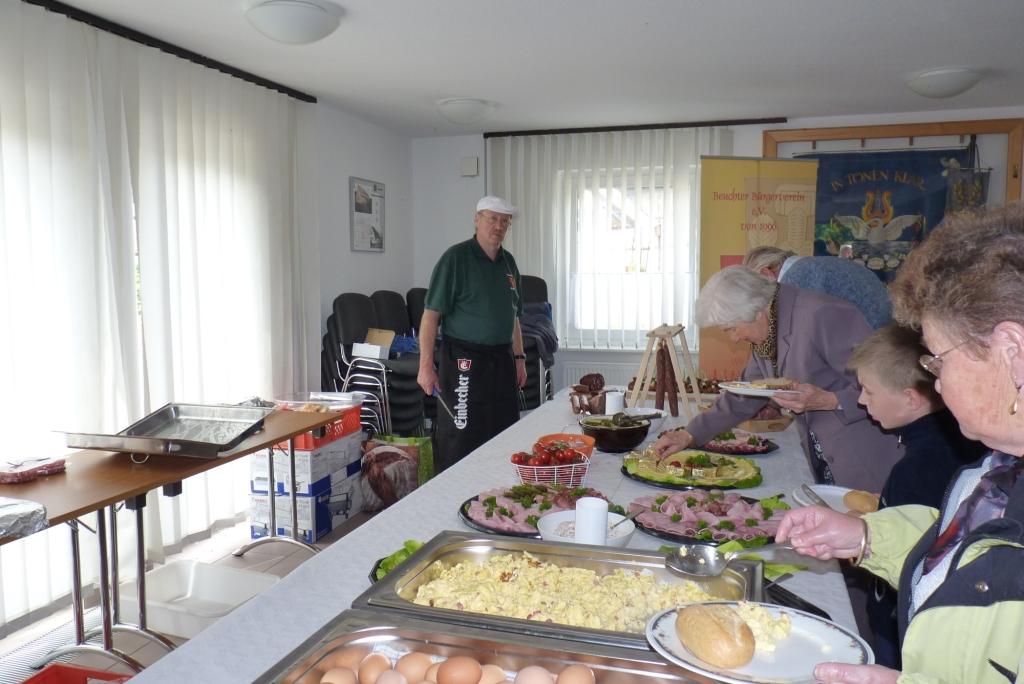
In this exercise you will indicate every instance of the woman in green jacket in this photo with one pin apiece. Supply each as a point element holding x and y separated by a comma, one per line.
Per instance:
<point>959,570</point>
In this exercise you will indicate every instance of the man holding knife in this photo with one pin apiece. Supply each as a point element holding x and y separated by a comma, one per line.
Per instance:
<point>474,294</point>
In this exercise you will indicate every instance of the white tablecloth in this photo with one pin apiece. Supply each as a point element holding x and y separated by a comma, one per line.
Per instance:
<point>247,642</point>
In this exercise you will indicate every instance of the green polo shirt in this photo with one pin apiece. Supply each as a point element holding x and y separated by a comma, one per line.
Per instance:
<point>478,299</point>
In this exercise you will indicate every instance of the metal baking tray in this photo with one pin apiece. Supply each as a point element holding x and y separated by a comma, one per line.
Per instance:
<point>395,635</point>
<point>396,591</point>
<point>195,430</point>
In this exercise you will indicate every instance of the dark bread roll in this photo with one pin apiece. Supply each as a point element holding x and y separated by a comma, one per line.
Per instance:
<point>595,381</point>
<point>716,634</point>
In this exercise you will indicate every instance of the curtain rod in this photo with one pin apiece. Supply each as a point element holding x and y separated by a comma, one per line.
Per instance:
<point>171,49</point>
<point>637,127</point>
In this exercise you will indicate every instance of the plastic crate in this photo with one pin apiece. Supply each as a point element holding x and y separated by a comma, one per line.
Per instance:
<point>61,673</point>
<point>346,424</point>
<point>185,597</point>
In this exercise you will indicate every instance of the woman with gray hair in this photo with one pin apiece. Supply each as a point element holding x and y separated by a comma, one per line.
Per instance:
<point>806,336</point>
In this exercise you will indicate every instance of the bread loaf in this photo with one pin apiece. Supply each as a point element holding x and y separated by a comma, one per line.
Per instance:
<point>859,501</point>
<point>716,634</point>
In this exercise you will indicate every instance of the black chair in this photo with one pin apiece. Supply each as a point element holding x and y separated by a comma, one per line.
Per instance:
<point>414,301</point>
<point>392,313</point>
<point>539,386</point>
<point>534,289</point>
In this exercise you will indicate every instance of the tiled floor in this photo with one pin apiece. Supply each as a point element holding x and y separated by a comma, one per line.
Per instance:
<point>23,646</point>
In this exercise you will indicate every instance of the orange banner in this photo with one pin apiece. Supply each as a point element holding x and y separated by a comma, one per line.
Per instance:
<point>746,203</point>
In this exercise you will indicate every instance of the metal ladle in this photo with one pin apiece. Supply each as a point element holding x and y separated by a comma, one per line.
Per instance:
<point>704,560</point>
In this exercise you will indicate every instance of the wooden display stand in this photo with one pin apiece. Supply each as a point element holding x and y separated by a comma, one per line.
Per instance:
<point>665,334</point>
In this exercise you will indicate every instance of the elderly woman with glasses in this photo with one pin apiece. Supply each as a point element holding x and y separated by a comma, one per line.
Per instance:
<point>808,337</point>
<point>959,570</point>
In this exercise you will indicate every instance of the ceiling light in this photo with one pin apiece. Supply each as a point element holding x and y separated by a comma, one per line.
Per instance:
<point>944,82</point>
<point>465,110</point>
<point>295,21</point>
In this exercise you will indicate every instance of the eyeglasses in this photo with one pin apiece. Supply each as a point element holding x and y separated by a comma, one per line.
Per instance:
<point>933,364</point>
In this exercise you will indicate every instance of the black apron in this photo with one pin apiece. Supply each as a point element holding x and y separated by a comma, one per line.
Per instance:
<point>478,382</point>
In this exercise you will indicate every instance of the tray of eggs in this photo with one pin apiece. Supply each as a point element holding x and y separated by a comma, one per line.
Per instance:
<point>363,647</point>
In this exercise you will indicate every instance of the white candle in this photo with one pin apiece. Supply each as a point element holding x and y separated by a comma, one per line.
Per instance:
<point>591,521</point>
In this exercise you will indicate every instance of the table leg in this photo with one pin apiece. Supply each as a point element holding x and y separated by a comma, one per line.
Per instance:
<point>80,646</point>
<point>272,535</point>
<point>117,625</point>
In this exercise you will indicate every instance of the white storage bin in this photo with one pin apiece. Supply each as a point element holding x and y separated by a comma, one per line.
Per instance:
<point>185,597</point>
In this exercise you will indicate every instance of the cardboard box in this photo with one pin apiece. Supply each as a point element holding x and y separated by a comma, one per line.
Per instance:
<point>314,470</point>
<point>376,346</point>
<point>318,514</point>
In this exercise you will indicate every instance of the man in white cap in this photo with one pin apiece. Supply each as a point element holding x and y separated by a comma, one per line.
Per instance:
<point>474,297</point>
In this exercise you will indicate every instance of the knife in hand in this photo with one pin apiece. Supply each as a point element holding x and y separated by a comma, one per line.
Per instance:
<point>813,496</point>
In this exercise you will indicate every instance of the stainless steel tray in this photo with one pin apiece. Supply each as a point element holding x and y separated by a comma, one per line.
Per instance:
<point>395,635</point>
<point>743,580</point>
<point>195,430</point>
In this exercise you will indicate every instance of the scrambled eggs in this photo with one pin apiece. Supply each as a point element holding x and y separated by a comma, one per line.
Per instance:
<point>520,586</point>
<point>767,630</point>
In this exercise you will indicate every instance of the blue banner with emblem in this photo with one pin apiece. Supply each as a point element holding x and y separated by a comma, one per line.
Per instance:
<point>874,207</point>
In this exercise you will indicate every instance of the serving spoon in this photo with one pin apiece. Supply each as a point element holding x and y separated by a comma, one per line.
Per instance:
<point>704,560</point>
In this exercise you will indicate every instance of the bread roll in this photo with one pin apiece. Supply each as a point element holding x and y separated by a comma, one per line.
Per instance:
<point>715,634</point>
<point>773,383</point>
<point>859,501</point>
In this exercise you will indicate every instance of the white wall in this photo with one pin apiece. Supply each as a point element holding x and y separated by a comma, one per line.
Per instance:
<point>331,146</point>
<point>443,202</point>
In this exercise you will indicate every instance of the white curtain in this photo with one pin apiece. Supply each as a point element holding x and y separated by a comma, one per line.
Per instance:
<point>147,254</point>
<point>609,220</point>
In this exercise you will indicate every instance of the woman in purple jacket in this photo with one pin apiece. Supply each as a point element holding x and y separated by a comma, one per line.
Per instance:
<point>808,337</point>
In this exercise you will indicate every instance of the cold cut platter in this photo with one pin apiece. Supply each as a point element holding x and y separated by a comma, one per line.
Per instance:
<point>711,517</point>
<point>514,511</point>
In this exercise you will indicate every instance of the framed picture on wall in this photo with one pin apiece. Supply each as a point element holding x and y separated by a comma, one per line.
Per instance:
<point>366,217</point>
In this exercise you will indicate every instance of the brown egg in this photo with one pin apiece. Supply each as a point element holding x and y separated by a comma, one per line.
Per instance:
<point>372,667</point>
<point>459,670</point>
<point>349,657</point>
<point>339,675</point>
<point>576,674</point>
<point>392,677</point>
<point>534,674</point>
<point>492,674</point>
<point>431,675</point>
<point>414,666</point>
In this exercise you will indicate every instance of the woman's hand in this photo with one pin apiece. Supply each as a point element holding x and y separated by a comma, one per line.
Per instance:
<point>841,673</point>
<point>671,442</point>
<point>821,532</point>
<point>804,397</point>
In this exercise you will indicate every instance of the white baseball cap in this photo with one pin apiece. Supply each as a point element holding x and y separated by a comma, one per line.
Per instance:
<point>497,205</point>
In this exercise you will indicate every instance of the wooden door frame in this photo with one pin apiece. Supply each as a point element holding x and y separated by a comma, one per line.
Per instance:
<point>1012,128</point>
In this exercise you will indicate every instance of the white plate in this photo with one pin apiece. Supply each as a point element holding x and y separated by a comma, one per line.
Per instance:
<point>811,640</point>
<point>832,495</point>
<point>744,388</point>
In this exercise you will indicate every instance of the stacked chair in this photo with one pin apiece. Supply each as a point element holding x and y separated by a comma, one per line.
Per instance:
<point>392,400</point>
<point>539,386</point>
<point>415,302</point>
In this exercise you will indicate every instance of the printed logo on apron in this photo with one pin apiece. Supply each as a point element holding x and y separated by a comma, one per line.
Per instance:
<point>462,399</point>
<point>465,365</point>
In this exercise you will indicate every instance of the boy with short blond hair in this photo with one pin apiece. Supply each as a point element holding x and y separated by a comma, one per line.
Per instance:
<point>900,395</point>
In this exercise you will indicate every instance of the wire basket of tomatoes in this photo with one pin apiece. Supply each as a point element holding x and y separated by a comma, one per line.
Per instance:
<point>552,463</point>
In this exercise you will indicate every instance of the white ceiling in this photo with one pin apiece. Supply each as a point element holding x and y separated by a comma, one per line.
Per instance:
<point>573,63</point>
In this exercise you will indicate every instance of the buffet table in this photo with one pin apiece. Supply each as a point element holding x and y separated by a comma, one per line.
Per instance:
<point>249,641</point>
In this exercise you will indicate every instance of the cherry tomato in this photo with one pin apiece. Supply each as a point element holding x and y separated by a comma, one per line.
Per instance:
<point>520,458</point>
<point>535,461</point>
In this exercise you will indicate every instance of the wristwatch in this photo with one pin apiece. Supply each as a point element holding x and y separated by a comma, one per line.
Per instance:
<point>519,357</point>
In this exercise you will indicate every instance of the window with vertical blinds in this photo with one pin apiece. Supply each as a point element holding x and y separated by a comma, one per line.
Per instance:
<point>609,220</point>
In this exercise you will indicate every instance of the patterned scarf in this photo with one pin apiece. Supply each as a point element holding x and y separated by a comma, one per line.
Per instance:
<point>769,349</point>
<point>987,502</point>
